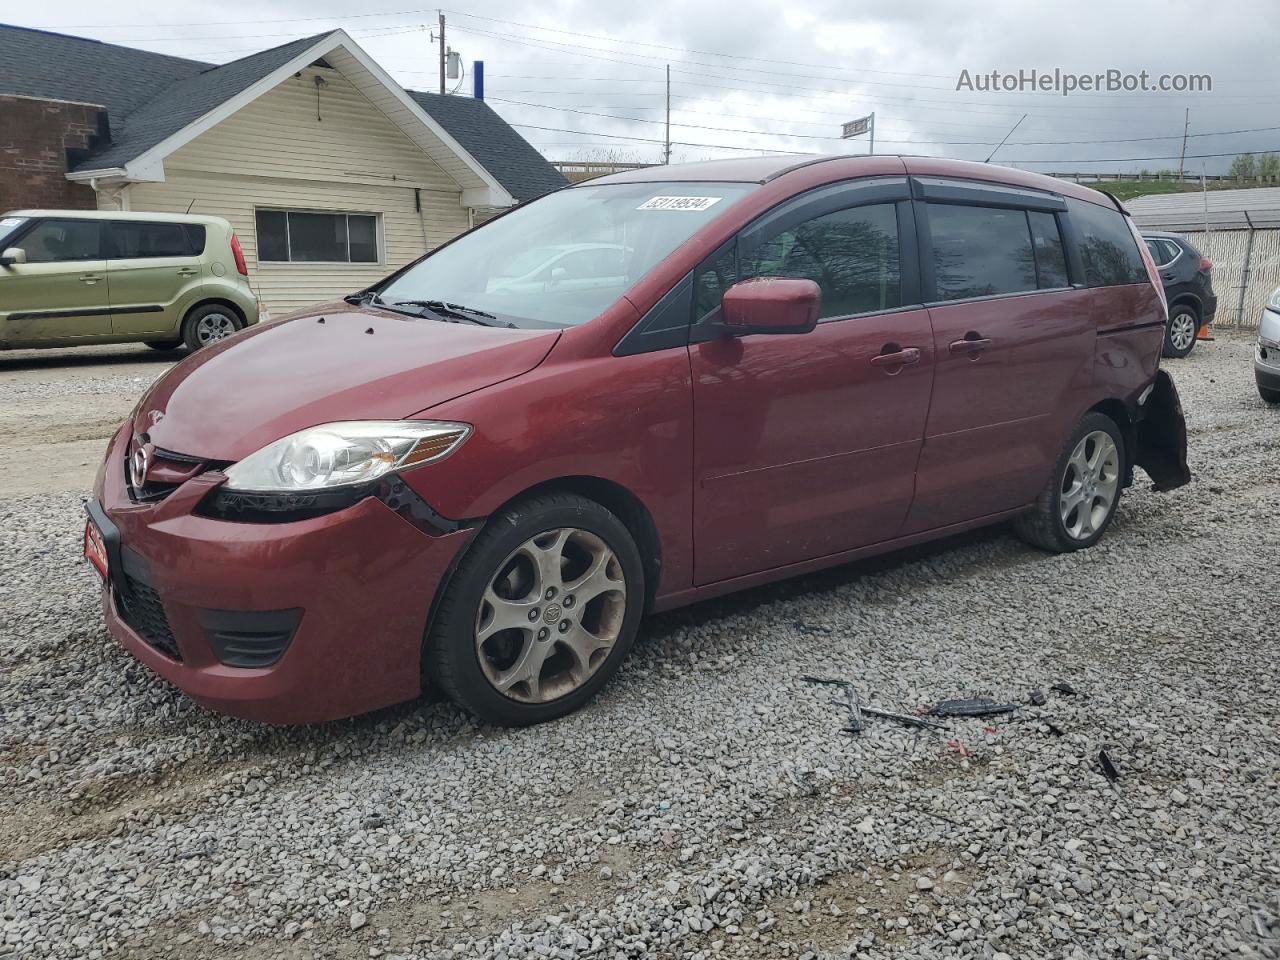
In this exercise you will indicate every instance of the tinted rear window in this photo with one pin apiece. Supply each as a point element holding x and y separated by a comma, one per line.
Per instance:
<point>136,240</point>
<point>980,251</point>
<point>1107,245</point>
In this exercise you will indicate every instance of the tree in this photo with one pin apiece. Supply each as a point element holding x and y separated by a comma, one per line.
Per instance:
<point>1269,165</point>
<point>1244,166</point>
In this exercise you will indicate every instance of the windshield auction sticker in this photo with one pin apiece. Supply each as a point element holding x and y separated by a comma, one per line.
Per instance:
<point>678,203</point>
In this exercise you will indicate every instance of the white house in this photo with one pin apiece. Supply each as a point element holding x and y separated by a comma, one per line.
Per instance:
<point>330,172</point>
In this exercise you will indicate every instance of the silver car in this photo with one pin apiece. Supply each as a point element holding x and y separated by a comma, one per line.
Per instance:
<point>1266,360</point>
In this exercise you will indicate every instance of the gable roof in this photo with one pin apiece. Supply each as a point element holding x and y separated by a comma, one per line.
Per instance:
<point>37,63</point>
<point>525,172</point>
<point>152,99</point>
<point>189,99</point>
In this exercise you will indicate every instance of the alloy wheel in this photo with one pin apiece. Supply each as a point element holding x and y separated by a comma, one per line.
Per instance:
<point>1182,331</point>
<point>1090,485</point>
<point>550,616</point>
<point>213,327</point>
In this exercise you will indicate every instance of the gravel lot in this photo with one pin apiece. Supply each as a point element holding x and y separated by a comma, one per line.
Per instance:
<point>707,804</point>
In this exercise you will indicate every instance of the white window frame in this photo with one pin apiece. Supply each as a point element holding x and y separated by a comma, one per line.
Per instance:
<point>378,238</point>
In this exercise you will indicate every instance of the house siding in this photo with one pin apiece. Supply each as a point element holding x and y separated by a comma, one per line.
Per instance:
<point>279,152</point>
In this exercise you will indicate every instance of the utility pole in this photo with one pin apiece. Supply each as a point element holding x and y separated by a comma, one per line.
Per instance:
<point>1186,124</point>
<point>666,149</point>
<point>872,148</point>
<point>442,50</point>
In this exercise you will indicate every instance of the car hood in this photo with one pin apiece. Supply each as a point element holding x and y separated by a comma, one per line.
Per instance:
<point>336,362</point>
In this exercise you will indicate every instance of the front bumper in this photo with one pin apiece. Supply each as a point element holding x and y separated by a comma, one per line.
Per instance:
<point>356,585</point>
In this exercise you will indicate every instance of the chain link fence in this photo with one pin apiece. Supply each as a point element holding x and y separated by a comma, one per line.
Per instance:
<point>1246,269</point>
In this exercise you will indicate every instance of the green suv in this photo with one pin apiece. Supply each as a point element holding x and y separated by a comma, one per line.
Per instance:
<point>72,277</point>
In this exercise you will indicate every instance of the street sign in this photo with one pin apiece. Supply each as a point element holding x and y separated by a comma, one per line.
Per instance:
<point>855,128</point>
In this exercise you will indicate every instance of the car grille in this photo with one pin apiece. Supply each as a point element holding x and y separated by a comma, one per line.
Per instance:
<point>143,610</point>
<point>166,471</point>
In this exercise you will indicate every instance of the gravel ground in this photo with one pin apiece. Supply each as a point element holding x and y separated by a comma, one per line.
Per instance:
<point>707,804</point>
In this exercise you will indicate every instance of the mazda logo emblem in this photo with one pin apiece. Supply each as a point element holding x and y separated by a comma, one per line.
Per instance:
<point>138,466</point>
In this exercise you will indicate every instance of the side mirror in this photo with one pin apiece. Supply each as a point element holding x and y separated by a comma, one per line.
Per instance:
<point>558,274</point>
<point>770,305</point>
<point>13,255</point>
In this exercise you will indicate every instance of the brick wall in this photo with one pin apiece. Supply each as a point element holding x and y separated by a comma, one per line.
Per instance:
<point>35,137</point>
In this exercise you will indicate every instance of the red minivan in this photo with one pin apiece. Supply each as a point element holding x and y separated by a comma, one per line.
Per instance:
<point>632,394</point>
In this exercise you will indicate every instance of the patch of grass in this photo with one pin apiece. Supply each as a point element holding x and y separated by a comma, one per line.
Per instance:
<point>1128,189</point>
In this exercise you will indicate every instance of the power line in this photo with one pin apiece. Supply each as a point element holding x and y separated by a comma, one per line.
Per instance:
<point>586,52</point>
<point>810,136</point>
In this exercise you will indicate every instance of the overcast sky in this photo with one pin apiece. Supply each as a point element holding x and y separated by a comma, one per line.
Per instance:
<point>783,77</point>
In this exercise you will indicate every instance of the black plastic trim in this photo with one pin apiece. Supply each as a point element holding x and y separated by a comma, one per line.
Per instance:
<point>249,639</point>
<point>982,194</point>
<point>666,324</point>
<point>90,312</point>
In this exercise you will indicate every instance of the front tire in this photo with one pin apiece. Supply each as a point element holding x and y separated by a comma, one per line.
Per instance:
<point>1180,331</point>
<point>208,324</point>
<point>1079,500</point>
<point>540,613</point>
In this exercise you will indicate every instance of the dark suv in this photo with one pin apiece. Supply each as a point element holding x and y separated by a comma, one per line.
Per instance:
<point>1187,275</point>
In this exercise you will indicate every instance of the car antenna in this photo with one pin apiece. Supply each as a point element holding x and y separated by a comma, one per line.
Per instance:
<point>190,205</point>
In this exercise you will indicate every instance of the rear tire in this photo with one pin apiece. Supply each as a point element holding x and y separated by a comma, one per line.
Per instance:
<point>565,577</point>
<point>1080,498</point>
<point>208,324</point>
<point>1180,332</point>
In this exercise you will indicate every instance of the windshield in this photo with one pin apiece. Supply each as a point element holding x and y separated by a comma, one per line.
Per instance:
<point>561,260</point>
<point>8,227</point>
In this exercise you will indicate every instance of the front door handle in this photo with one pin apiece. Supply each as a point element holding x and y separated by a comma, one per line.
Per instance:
<point>90,278</point>
<point>896,358</point>
<point>972,344</point>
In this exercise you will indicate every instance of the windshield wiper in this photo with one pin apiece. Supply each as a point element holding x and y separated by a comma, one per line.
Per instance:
<point>455,311</point>
<point>368,296</point>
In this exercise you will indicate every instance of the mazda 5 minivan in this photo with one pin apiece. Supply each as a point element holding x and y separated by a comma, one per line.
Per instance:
<point>481,486</point>
<point>75,277</point>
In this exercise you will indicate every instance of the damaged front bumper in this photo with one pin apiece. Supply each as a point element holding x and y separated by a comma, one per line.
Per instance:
<point>1160,435</point>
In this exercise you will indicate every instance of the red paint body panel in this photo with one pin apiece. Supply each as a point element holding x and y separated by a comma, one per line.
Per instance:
<point>803,447</point>
<point>756,457</point>
<point>298,373</point>
<point>363,577</point>
<point>999,414</point>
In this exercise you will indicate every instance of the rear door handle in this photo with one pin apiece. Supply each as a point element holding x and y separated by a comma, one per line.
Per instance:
<point>1166,276</point>
<point>897,358</point>
<point>969,345</point>
<point>188,272</point>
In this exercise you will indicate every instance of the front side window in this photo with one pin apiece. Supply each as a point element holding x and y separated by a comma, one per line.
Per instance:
<point>1107,245</point>
<point>133,240</point>
<point>300,236</point>
<point>852,255</point>
<point>59,241</point>
<point>561,260</point>
<point>981,251</point>
<point>8,227</point>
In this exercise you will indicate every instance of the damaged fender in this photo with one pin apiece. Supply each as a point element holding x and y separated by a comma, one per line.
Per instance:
<point>1161,434</point>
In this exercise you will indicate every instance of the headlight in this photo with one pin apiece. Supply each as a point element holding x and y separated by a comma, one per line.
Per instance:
<point>343,454</point>
<point>1274,302</point>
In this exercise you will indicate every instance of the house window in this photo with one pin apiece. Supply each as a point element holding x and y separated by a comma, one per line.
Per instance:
<point>297,236</point>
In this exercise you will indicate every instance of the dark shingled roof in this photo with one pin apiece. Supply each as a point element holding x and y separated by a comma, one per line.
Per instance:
<point>36,63</point>
<point>491,140</point>
<point>151,96</point>
<point>188,100</point>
